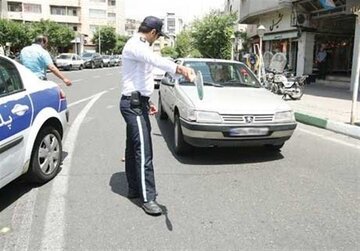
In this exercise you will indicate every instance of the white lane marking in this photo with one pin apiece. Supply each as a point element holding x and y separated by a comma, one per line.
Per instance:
<point>21,222</point>
<point>54,227</point>
<point>77,80</point>
<point>331,139</point>
<point>86,99</point>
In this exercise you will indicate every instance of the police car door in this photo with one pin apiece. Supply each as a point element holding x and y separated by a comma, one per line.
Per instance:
<point>15,119</point>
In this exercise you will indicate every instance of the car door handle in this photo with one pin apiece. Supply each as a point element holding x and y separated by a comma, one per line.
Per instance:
<point>20,109</point>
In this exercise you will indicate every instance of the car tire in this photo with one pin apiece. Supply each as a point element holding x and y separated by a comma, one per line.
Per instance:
<point>275,148</point>
<point>81,67</point>
<point>40,171</point>
<point>92,65</point>
<point>180,146</point>
<point>161,112</point>
<point>101,65</point>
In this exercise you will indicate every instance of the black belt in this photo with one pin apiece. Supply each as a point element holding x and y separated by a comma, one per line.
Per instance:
<point>142,98</point>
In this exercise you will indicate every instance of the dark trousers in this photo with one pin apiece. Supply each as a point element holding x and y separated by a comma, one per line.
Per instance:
<point>139,154</point>
<point>322,70</point>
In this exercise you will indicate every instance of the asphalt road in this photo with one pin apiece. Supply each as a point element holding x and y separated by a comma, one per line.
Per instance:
<point>304,198</point>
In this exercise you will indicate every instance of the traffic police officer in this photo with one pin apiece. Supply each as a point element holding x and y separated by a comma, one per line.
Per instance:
<point>138,61</point>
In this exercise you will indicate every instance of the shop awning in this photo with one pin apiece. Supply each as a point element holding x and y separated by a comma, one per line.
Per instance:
<point>279,36</point>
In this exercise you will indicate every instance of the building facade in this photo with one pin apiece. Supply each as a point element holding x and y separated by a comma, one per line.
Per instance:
<point>83,16</point>
<point>300,27</point>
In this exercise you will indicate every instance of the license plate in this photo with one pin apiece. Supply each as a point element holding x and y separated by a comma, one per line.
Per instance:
<point>253,131</point>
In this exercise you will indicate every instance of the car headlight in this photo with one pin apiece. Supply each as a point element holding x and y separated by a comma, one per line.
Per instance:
<point>207,117</point>
<point>284,116</point>
<point>202,116</point>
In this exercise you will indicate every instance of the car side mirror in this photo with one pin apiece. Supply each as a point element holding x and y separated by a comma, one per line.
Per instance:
<point>167,81</point>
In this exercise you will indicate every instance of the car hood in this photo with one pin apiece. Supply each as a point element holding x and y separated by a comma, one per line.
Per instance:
<point>236,100</point>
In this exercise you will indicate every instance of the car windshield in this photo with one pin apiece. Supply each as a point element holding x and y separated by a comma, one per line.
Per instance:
<point>87,55</point>
<point>64,56</point>
<point>223,74</point>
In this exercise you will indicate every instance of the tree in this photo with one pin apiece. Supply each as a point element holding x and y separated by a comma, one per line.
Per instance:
<point>15,33</point>
<point>107,39</point>
<point>212,34</point>
<point>59,35</point>
<point>169,52</point>
<point>120,43</point>
<point>184,45</point>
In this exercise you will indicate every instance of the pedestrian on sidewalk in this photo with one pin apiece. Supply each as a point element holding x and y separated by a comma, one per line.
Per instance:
<point>138,61</point>
<point>36,58</point>
<point>321,60</point>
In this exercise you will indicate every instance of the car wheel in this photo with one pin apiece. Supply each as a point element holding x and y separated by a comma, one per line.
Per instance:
<point>276,147</point>
<point>161,112</point>
<point>81,67</point>
<point>180,146</point>
<point>46,156</point>
<point>101,65</point>
<point>92,65</point>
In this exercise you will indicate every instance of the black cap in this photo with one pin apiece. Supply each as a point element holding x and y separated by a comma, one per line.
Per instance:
<point>154,23</point>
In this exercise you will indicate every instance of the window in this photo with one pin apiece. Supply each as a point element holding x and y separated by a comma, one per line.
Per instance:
<point>10,80</point>
<point>33,8</point>
<point>112,16</point>
<point>63,11</point>
<point>111,2</point>
<point>96,13</point>
<point>58,10</point>
<point>15,6</point>
<point>98,1</point>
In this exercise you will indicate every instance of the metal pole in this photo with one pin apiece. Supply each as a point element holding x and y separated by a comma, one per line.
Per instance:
<point>261,59</point>
<point>356,63</point>
<point>99,41</point>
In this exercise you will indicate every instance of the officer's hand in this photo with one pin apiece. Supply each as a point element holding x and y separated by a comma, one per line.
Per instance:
<point>187,72</point>
<point>67,81</point>
<point>153,109</point>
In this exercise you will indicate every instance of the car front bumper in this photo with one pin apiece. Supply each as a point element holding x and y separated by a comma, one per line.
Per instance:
<point>207,135</point>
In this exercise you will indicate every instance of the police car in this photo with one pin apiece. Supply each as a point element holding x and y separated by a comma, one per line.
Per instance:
<point>33,117</point>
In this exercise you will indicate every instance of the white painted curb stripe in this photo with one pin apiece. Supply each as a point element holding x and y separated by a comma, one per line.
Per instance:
<point>350,130</point>
<point>54,227</point>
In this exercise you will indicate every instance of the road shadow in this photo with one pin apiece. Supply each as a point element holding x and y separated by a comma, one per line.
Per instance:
<point>13,191</point>
<point>19,187</point>
<point>216,156</point>
<point>119,185</point>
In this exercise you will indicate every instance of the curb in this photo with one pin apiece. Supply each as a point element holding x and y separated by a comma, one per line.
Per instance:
<point>346,129</point>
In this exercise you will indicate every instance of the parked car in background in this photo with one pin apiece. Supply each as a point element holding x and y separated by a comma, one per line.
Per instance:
<point>159,74</point>
<point>117,59</point>
<point>69,61</point>
<point>106,60</point>
<point>235,109</point>
<point>33,118</point>
<point>113,61</point>
<point>92,60</point>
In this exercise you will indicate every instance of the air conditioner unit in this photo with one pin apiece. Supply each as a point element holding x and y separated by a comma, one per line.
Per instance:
<point>301,19</point>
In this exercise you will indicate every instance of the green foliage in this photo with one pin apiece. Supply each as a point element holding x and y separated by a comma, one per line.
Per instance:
<point>169,52</point>
<point>120,43</point>
<point>15,33</point>
<point>59,35</point>
<point>184,45</point>
<point>107,39</point>
<point>212,34</point>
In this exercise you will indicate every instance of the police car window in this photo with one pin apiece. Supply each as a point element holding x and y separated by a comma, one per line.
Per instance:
<point>10,80</point>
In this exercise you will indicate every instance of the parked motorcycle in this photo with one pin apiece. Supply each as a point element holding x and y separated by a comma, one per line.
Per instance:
<point>280,82</point>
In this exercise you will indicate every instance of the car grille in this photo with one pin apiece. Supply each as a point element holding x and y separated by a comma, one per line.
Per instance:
<point>247,118</point>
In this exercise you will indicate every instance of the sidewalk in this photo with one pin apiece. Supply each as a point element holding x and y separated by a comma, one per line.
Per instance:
<point>327,107</point>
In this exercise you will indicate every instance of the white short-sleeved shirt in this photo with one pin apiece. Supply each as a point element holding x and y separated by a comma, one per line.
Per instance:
<point>138,61</point>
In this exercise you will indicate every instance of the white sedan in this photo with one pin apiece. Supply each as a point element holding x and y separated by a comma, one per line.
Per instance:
<point>33,118</point>
<point>234,111</point>
<point>69,61</point>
